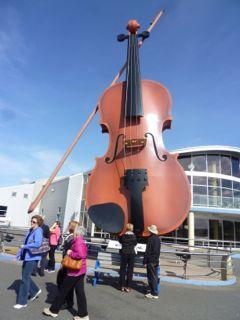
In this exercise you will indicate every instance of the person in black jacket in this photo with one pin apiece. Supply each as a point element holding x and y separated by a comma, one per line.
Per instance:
<point>151,260</point>
<point>42,263</point>
<point>128,241</point>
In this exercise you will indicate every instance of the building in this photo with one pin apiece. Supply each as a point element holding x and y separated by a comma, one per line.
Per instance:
<point>64,201</point>
<point>214,175</point>
<point>14,204</point>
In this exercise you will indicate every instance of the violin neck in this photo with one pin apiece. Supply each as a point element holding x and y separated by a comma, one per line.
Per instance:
<point>133,93</point>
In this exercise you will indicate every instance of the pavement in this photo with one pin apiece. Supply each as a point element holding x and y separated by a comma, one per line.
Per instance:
<point>176,302</point>
<point>198,273</point>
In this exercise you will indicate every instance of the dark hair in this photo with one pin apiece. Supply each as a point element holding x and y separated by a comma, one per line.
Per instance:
<point>39,219</point>
<point>58,223</point>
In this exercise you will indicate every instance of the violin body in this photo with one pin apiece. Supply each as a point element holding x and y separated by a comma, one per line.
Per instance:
<point>166,199</point>
<point>138,181</point>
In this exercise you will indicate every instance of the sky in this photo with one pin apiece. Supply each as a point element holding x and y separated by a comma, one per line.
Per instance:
<point>57,57</point>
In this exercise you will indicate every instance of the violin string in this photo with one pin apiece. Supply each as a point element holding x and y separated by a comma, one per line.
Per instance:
<point>140,95</point>
<point>137,90</point>
<point>132,90</point>
<point>125,107</point>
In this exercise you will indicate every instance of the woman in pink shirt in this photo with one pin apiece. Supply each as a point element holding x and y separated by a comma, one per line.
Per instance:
<point>73,280</point>
<point>54,237</point>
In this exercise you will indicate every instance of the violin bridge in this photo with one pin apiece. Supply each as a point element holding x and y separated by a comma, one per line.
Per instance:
<point>135,143</point>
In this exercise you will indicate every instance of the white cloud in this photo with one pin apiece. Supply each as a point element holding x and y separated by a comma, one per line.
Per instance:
<point>31,163</point>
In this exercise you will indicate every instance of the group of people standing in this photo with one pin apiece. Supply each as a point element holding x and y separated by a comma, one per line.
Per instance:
<point>70,280</point>
<point>151,259</point>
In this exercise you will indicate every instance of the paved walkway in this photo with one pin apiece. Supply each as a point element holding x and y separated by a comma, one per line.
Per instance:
<point>105,302</point>
<point>171,270</point>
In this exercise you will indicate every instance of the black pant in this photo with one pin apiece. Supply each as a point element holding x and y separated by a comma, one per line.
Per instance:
<point>126,269</point>
<point>51,262</point>
<point>66,293</point>
<point>42,265</point>
<point>152,275</point>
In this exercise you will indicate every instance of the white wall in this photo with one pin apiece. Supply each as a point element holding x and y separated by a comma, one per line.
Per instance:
<point>55,198</point>
<point>74,198</point>
<point>17,206</point>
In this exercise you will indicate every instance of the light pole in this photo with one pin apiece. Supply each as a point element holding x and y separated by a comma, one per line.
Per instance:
<point>191,233</point>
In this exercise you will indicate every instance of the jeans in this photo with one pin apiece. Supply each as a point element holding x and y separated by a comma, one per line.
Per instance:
<point>66,293</point>
<point>126,269</point>
<point>27,288</point>
<point>152,275</point>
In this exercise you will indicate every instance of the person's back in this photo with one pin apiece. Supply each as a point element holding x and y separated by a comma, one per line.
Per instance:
<point>46,231</point>
<point>153,248</point>
<point>128,241</point>
<point>151,260</point>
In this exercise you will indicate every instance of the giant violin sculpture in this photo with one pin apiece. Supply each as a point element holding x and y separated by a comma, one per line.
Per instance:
<point>137,180</point>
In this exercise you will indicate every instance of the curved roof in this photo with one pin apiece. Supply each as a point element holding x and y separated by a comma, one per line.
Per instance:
<point>209,149</point>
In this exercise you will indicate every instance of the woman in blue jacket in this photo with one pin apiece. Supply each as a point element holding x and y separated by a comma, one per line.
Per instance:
<point>33,240</point>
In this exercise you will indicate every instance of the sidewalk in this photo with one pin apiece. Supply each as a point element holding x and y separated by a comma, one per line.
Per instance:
<point>171,271</point>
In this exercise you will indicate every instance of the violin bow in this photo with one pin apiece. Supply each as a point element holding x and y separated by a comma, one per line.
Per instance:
<point>84,127</point>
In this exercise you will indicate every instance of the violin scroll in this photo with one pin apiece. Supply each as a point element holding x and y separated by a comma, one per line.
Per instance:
<point>132,27</point>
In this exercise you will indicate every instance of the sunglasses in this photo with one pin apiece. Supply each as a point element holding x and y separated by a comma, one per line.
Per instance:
<point>33,221</point>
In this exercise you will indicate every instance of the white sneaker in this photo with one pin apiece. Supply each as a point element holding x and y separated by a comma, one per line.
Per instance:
<point>19,306</point>
<point>36,295</point>
<point>81,318</point>
<point>150,296</point>
<point>50,271</point>
<point>47,312</point>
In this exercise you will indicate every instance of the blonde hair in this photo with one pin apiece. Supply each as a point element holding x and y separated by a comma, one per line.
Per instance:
<point>129,227</point>
<point>79,231</point>
<point>73,225</point>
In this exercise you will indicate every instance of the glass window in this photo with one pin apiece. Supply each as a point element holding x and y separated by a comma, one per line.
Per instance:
<point>82,205</point>
<point>215,201</point>
<point>25,196</point>
<point>3,211</point>
<point>236,194</point>
<point>235,167</point>
<point>182,230</point>
<point>14,194</point>
<point>200,200</point>
<point>227,192</point>
<point>201,228</point>
<point>225,165</point>
<point>215,229</point>
<point>213,161</point>
<point>215,182</point>
<point>185,162</point>
<point>227,202</point>
<point>189,179</point>
<point>226,183</point>
<point>228,230</point>
<point>236,185</point>
<point>199,190</point>
<point>199,163</point>
<point>214,191</point>
<point>237,231</point>
<point>200,180</point>
<point>237,203</point>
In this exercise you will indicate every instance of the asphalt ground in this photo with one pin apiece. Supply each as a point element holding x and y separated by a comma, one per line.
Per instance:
<point>176,302</point>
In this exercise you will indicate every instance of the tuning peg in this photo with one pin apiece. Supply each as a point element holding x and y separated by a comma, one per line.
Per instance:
<point>121,37</point>
<point>144,35</point>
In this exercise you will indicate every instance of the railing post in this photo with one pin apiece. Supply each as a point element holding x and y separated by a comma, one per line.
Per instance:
<point>226,267</point>
<point>209,258</point>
